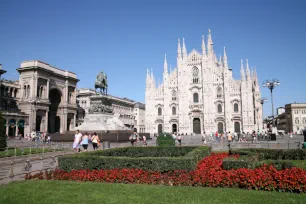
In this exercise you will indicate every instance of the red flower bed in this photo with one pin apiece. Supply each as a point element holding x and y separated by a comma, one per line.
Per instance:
<point>208,173</point>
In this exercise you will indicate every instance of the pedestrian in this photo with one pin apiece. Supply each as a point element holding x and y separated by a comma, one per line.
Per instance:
<point>291,135</point>
<point>235,137</point>
<point>95,141</point>
<point>179,139</point>
<point>133,138</point>
<point>77,140</point>
<point>48,139</point>
<point>229,137</point>
<point>253,137</point>
<point>144,140</point>
<point>85,141</point>
<point>204,138</point>
<point>216,136</point>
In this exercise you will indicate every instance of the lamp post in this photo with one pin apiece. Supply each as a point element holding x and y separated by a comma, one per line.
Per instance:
<point>257,109</point>
<point>271,84</point>
<point>262,101</point>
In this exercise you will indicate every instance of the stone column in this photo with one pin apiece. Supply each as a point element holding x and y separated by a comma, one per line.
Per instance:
<point>74,120</point>
<point>35,88</point>
<point>47,91</point>
<point>66,91</point>
<point>7,127</point>
<point>46,121</point>
<point>16,132</point>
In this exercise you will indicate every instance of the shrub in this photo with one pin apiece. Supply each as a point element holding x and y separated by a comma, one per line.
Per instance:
<point>278,164</point>
<point>165,140</point>
<point>159,164</point>
<point>3,138</point>
<point>145,152</point>
<point>274,154</point>
<point>244,161</point>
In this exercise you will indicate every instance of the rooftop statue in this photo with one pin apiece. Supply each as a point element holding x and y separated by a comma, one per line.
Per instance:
<point>101,83</point>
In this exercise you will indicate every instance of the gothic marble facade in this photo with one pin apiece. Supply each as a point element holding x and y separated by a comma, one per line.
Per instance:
<point>202,95</point>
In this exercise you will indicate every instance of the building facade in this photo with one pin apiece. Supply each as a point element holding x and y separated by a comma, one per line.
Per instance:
<point>202,95</point>
<point>45,98</point>
<point>293,119</point>
<point>131,113</point>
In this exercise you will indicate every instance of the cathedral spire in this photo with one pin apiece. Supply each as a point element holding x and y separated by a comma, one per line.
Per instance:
<point>242,72</point>
<point>220,60</point>
<point>210,44</point>
<point>184,50</point>
<point>247,70</point>
<point>225,59</point>
<point>203,46</point>
<point>179,50</point>
<point>165,65</point>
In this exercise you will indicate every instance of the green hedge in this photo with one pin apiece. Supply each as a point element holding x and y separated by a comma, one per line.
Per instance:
<point>145,152</point>
<point>252,158</point>
<point>165,140</point>
<point>243,161</point>
<point>274,154</point>
<point>161,164</point>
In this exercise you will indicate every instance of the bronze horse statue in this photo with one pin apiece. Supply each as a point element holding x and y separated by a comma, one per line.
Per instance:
<point>101,83</point>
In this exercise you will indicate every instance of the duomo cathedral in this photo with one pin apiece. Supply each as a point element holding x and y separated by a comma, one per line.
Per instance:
<point>202,95</point>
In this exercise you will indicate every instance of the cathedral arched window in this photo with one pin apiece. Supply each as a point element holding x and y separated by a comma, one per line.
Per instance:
<point>236,108</point>
<point>219,92</point>
<point>304,120</point>
<point>297,121</point>
<point>219,107</point>
<point>173,95</point>
<point>195,97</point>
<point>195,75</point>
<point>173,111</point>
<point>159,110</point>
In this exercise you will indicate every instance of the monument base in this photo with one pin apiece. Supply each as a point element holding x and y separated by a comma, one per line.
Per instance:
<point>101,121</point>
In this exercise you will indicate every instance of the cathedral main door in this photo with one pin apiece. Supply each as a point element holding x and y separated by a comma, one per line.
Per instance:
<point>160,128</point>
<point>196,126</point>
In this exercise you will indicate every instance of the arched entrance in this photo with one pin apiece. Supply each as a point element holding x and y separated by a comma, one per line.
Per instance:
<point>174,128</point>
<point>54,121</point>
<point>237,127</point>
<point>38,122</point>
<point>160,128</point>
<point>220,127</point>
<point>4,129</point>
<point>12,128</point>
<point>196,126</point>
<point>21,127</point>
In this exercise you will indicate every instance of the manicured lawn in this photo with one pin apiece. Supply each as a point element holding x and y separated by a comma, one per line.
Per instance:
<point>54,192</point>
<point>26,151</point>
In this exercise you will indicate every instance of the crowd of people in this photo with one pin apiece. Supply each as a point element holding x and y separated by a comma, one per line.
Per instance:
<point>83,140</point>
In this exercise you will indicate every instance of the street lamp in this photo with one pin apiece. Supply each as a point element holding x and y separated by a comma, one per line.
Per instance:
<point>271,85</point>
<point>262,101</point>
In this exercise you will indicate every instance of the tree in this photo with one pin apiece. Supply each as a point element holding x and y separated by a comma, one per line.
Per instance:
<point>3,143</point>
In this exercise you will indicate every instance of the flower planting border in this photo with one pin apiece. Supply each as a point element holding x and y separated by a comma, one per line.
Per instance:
<point>181,158</point>
<point>209,173</point>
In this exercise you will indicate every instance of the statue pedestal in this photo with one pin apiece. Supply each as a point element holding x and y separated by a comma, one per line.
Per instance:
<point>98,122</point>
<point>101,116</point>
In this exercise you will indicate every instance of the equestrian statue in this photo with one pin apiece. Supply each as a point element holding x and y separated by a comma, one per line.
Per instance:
<point>101,83</point>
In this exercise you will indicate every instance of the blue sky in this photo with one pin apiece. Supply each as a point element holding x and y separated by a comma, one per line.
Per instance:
<point>124,38</point>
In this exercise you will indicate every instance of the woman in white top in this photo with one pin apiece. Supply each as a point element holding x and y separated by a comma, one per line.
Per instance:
<point>77,140</point>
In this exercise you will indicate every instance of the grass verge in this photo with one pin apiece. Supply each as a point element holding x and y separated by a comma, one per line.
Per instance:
<point>54,192</point>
